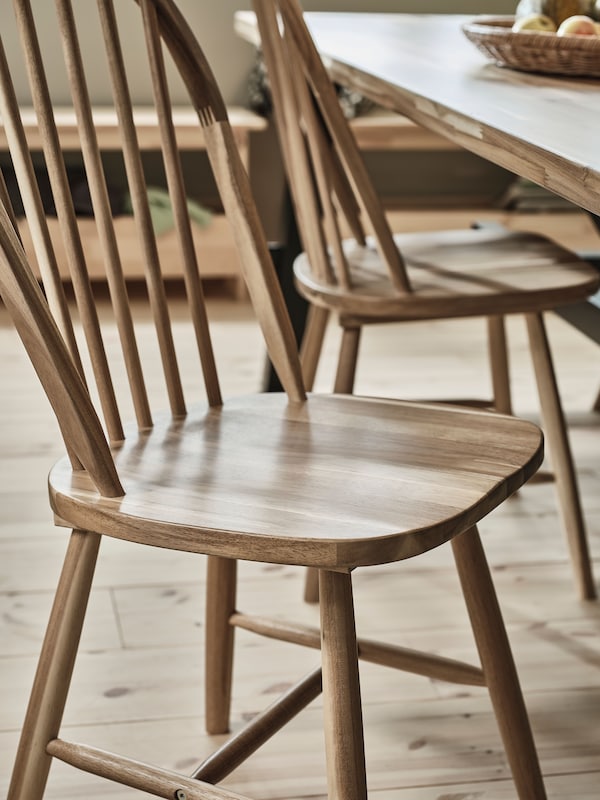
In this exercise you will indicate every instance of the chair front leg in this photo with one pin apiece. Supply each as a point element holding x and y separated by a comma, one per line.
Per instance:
<point>344,739</point>
<point>55,668</point>
<point>498,665</point>
<point>221,586</point>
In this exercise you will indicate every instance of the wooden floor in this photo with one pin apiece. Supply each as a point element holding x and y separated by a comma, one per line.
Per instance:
<point>139,677</point>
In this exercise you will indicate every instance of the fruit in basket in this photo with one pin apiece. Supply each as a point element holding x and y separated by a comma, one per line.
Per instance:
<point>577,25</point>
<point>538,23</point>
<point>557,10</point>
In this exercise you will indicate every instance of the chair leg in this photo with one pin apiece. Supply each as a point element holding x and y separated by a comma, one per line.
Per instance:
<point>498,358</point>
<point>311,585</point>
<point>560,452</point>
<point>596,406</point>
<point>498,665</point>
<point>344,384</point>
<point>346,370</point>
<point>312,344</point>
<point>221,584</point>
<point>344,740</point>
<point>55,668</point>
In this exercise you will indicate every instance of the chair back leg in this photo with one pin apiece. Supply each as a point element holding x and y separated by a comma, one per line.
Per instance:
<point>311,585</point>
<point>346,369</point>
<point>498,358</point>
<point>555,429</point>
<point>312,343</point>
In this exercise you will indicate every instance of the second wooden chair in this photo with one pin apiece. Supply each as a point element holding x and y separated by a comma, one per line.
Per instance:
<point>381,277</point>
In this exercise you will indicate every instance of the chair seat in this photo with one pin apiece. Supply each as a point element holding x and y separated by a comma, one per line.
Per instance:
<point>337,481</point>
<point>457,273</point>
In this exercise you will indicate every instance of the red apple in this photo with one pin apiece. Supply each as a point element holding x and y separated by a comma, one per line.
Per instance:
<point>577,25</point>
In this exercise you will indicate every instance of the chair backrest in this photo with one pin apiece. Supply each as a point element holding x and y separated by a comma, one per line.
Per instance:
<point>326,173</point>
<point>45,320</point>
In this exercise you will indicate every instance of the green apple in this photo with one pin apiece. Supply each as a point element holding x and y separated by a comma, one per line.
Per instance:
<point>536,23</point>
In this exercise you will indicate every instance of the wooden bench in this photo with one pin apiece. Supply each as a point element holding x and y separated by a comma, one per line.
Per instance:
<point>383,130</point>
<point>215,244</point>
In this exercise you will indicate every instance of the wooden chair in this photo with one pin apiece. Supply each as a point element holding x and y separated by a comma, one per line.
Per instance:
<point>264,477</point>
<point>377,278</point>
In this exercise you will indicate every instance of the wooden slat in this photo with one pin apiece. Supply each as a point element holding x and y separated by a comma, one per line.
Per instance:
<point>56,370</point>
<point>102,213</point>
<point>389,655</point>
<point>32,203</point>
<point>179,201</point>
<point>323,170</point>
<point>141,209</point>
<point>159,782</point>
<point>265,725</point>
<point>66,215</point>
<point>345,145</point>
<point>293,147</point>
<point>236,195</point>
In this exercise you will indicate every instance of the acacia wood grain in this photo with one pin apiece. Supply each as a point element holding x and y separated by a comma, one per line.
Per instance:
<point>338,481</point>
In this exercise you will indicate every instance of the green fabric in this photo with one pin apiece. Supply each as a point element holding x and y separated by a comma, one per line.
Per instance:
<point>161,210</point>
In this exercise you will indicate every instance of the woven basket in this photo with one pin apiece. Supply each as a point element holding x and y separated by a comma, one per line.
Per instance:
<point>534,52</point>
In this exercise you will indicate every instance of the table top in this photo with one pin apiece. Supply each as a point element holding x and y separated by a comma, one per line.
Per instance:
<point>542,127</point>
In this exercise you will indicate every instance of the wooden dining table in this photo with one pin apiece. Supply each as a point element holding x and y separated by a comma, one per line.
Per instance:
<point>545,128</point>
